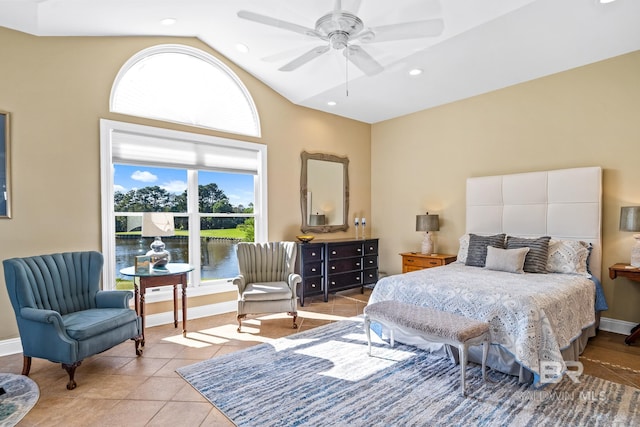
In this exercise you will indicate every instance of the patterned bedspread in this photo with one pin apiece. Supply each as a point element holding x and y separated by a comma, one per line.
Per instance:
<point>533,316</point>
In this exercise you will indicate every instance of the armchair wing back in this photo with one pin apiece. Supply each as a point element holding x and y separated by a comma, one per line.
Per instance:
<point>62,314</point>
<point>267,281</point>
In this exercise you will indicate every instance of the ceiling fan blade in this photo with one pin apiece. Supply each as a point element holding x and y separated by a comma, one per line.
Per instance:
<point>406,30</point>
<point>267,20</point>
<point>304,58</point>
<point>361,59</point>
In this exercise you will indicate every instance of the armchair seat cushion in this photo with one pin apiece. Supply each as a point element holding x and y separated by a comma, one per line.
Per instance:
<point>81,325</point>
<point>267,291</point>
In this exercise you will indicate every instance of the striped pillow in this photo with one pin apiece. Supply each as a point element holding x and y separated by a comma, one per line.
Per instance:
<point>538,255</point>
<point>477,252</point>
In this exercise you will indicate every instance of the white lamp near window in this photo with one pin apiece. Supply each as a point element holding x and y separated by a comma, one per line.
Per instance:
<point>427,223</point>
<point>630,221</point>
<point>158,224</point>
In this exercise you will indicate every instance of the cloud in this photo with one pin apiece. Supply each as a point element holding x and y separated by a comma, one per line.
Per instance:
<point>144,176</point>
<point>176,186</point>
<point>119,188</point>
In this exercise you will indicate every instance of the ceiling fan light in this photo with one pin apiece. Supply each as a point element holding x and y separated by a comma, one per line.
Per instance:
<point>415,71</point>
<point>332,103</point>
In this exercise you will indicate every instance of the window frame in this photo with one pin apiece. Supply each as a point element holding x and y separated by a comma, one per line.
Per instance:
<point>109,127</point>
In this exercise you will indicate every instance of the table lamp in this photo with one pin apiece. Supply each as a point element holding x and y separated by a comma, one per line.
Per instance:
<point>427,223</point>
<point>317,219</point>
<point>630,221</point>
<point>158,224</point>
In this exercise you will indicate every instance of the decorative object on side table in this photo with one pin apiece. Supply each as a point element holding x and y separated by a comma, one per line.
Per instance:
<point>158,224</point>
<point>630,221</point>
<point>427,223</point>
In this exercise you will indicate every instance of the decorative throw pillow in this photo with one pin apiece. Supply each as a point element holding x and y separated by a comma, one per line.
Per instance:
<point>568,256</point>
<point>536,261</point>
<point>463,249</point>
<point>509,260</point>
<point>477,253</point>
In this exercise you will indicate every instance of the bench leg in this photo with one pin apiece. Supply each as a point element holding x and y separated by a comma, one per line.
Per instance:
<point>463,349</point>
<point>485,353</point>
<point>367,329</point>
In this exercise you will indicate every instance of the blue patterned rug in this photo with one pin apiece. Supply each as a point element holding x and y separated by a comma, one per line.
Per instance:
<point>21,394</point>
<point>324,377</point>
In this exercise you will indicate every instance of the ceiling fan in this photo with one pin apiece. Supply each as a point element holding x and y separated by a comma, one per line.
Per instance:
<point>340,28</point>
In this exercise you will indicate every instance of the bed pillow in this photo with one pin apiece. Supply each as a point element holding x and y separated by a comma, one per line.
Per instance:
<point>568,256</point>
<point>536,261</point>
<point>509,260</point>
<point>463,248</point>
<point>477,253</point>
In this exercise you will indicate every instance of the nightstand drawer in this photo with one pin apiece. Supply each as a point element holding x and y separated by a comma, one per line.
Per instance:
<point>423,262</point>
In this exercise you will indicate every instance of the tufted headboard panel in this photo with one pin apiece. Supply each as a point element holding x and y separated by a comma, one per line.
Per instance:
<point>563,204</point>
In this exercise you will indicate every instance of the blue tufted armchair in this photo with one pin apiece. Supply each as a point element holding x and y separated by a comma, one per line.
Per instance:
<point>62,314</point>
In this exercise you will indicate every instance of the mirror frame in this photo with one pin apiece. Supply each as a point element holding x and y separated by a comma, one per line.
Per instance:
<point>306,228</point>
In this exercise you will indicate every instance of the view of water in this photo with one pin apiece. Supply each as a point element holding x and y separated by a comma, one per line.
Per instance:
<point>219,260</point>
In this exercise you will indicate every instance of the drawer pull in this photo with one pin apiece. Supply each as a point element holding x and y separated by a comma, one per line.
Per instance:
<point>411,260</point>
<point>333,283</point>
<point>313,285</point>
<point>333,267</point>
<point>433,262</point>
<point>333,252</point>
<point>313,269</point>
<point>359,250</point>
<point>357,264</point>
<point>370,261</point>
<point>358,279</point>
<point>313,254</point>
<point>371,248</point>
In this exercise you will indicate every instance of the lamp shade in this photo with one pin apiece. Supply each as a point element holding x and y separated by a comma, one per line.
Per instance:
<point>157,224</point>
<point>427,222</point>
<point>317,219</point>
<point>630,218</point>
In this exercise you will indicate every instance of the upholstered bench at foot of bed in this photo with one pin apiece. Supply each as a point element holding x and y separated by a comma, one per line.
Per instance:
<point>432,325</point>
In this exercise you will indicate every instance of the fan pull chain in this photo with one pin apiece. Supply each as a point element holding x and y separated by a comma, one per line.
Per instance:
<point>346,67</point>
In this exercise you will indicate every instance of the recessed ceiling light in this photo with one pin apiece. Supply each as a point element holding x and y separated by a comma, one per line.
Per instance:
<point>331,103</point>
<point>242,48</point>
<point>606,1</point>
<point>415,72</point>
<point>168,21</point>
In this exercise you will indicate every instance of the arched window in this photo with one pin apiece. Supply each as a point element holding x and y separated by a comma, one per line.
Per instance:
<point>181,84</point>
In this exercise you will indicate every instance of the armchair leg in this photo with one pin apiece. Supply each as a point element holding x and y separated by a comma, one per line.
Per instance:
<point>240,317</point>
<point>295,316</point>
<point>71,370</point>
<point>139,344</point>
<point>26,365</point>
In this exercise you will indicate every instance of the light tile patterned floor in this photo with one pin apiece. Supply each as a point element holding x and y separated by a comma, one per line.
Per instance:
<point>116,388</point>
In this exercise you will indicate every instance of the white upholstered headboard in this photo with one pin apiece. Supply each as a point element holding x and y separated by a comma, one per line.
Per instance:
<point>563,204</point>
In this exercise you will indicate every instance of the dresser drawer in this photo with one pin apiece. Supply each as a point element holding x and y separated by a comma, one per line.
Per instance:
<point>312,268</point>
<point>344,280</point>
<point>370,276</point>
<point>371,247</point>
<point>344,250</point>
<point>370,262</point>
<point>312,285</point>
<point>344,265</point>
<point>311,253</point>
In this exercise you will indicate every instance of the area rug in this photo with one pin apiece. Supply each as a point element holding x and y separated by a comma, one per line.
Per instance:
<point>324,377</point>
<point>21,394</point>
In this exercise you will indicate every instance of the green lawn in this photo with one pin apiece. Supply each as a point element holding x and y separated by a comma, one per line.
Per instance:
<point>233,233</point>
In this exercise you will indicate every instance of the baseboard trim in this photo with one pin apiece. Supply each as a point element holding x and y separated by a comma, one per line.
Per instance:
<point>14,345</point>
<point>617,326</point>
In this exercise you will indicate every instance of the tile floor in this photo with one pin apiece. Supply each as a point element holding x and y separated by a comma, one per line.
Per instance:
<point>116,388</point>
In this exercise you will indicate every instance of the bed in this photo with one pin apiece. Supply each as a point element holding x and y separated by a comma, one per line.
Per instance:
<point>540,292</point>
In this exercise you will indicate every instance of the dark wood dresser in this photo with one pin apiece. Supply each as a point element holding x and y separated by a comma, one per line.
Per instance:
<point>329,266</point>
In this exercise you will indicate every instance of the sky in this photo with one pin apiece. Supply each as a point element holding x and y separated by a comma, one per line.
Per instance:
<point>237,187</point>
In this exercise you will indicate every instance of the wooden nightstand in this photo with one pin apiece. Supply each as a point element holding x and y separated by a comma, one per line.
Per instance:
<point>631,273</point>
<point>412,261</point>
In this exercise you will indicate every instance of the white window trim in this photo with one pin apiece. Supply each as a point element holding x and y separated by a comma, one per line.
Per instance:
<point>107,129</point>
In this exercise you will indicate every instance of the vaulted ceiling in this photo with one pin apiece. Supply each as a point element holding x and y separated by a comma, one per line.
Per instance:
<point>464,47</point>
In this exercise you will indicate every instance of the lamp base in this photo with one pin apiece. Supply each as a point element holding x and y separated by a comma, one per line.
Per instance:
<point>635,252</point>
<point>427,244</point>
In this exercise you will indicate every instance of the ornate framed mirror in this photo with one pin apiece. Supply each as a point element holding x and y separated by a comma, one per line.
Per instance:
<point>324,193</point>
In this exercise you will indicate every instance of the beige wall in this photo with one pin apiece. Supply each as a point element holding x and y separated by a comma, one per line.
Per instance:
<point>57,89</point>
<point>583,117</point>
